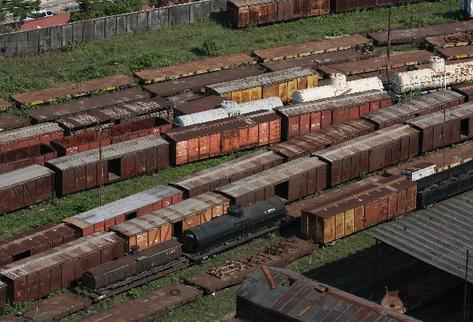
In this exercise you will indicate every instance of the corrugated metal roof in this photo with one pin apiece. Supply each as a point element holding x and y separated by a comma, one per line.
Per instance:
<point>271,176</point>
<point>28,132</point>
<point>439,235</point>
<point>23,175</point>
<point>298,298</point>
<point>260,80</point>
<point>58,255</point>
<point>122,206</point>
<point>108,152</point>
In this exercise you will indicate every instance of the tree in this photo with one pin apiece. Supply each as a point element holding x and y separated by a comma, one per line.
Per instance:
<point>18,9</point>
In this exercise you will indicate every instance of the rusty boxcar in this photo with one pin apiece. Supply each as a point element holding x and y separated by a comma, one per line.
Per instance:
<point>34,241</point>
<point>57,268</point>
<point>418,106</point>
<point>152,107</point>
<point>29,135</point>
<point>309,143</point>
<point>55,111</point>
<point>25,187</point>
<point>20,158</point>
<point>199,105</point>
<point>212,178</point>
<point>220,137</point>
<point>342,212</point>
<point>11,121</point>
<point>119,161</point>
<point>169,222</point>
<point>303,118</point>
<point>193,68</point>
<point>105,84</point>
<point>465,89</point>
<point>289,181</point>
<point>242,13</point>
<point>370,152</point>
<point>281,84</point>
<point>137,205</point>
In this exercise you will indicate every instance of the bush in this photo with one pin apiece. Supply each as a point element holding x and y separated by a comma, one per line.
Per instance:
<point>90,9</point>
<point>209,48</point>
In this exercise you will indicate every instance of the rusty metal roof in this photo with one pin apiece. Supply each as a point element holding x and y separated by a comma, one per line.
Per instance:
<point>298,298</point>
<point>23,175</point>
<point>122,206</point>
<point>137,226</point>
<point>227,169</point>
<point>108,152</point>
<point>462,111</point>
<point>439,235</point>
<point>311,48</point>
<point>271,176</point>
<point>456,112</point>
<point>11,121</point>
<point>58,255</point>
<point>260,80</point>
<point>339,102</point>
<point>27,132</point>
<point>248,3</point>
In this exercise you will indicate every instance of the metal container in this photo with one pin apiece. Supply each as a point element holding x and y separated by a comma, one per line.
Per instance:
<point>214,177</point>
<point>342,212</point>
<point>29,135</point>
<point>205,103</point>
<point>55,111</point>
<point>11,121</point>
<point>35,241</point>
<point>57,268</point>
<point>194,67</point>
<point>303,118</point>
<point>119,161</point>
<point>281,84</point>
<point>164,224</point>
<point>137,205</point>
<point>105,84</point>
<point>20,158</point>
<point>25,187</point>
<point>289,181</point>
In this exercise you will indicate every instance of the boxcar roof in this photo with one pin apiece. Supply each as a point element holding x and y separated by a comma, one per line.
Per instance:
<point>28,132</point>
<point>260,80</point>
<point>248,3</point>
<point>10,245</point>
<point>23,175</point>
<point>122,206</point>
<point>430,120</point>
<point>11,121</point>
<point>108,152</point>
<point>227,169</point>
<point>462,111</point>
<point>271,176</point>
<point>139,225</point>
<point>58,255</point>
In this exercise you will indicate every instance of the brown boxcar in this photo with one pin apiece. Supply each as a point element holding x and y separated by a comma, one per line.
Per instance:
<point>304,118</point>
<point>11,121</point>
<point>340,213</point>
<point>25,187</point>
<point>105,84</point>
<point>57,268</point>
<point>465,89</point>
<point>199,105</point>
<point>152,107</point>
<point>137,205</point>
<point>29,135</point>
<point>34,241</point>
<point>197,83</point>
<point>194,67</point>
<point>309,143</point>
<point>289,181</point>
<point>418,106</point>
<point>3,294</point>
<point>119,161</point>
<point>55,111</point>
<point>281,84</point>
<point>20,158</point>
<point>169,222</point>
<point>212,178</point>
<point>312,48</point>
<point>242,13</point>
<point>4,105</point>
<point>370,152</point>
<point>135,129</point>
<point>206,140</point>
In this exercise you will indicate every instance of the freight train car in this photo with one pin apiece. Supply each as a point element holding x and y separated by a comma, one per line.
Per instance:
<point>29,135</point>
<point>23,157</point>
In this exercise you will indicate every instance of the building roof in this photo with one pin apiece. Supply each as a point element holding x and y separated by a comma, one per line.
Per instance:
<point>23,175</point>
<point>439,235</point>
<point>46,22</point>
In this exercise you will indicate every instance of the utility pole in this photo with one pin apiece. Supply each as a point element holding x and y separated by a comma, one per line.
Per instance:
<point>101,166</point>
<point>466,297</point>
<point>388,66</point>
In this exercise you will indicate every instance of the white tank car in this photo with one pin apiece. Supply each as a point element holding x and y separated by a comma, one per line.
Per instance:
<point>437,76</point>
<point>227,109</point>
<point>339,86</point>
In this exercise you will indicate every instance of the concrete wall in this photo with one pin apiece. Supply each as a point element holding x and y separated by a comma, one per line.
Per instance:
<point>44,39</point>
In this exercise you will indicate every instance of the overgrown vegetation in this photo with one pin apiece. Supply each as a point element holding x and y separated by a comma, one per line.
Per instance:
<point>89,9</point>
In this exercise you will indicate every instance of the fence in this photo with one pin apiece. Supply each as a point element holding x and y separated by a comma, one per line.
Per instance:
<point>57,37</point>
